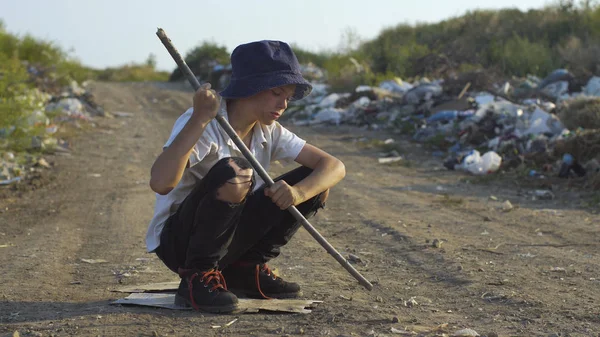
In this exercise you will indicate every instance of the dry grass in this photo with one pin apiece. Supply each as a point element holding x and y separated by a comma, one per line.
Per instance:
<point>583,146</point>
<point>581,112</point>
<point>449,201</point>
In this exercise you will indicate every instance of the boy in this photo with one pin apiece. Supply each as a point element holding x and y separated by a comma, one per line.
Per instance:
<point>214,224</point>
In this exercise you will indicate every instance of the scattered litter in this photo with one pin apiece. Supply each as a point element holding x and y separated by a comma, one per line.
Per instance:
<point>528,255</point>
<point>465,333</point>
<point>507,206</point>
<point>6,246</point>
<point>10,181</point>
<point>543,194</point>
<point>437,243</point>
<point>411,302</point>
<point>388,160</point>
<point>123,114</point>
<point>43,163</point>
<point>480,165</point>
<point>558,269</point>
<point>403,332</point>
<point>551,212</point>
<point>230,323</point>
<point>95,175</point>
<point>93,261</point>
<point>354,258</point>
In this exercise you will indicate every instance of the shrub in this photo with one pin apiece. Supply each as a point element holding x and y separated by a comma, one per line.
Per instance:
<point>17,105</point>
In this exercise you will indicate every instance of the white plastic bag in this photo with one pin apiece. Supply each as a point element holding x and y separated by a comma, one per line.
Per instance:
<point>480,165</point>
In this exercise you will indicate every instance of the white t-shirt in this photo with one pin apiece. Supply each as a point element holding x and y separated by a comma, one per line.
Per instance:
<point>269,143</point>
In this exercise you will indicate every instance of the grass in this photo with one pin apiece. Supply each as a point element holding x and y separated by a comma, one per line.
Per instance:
<point>594,201</point>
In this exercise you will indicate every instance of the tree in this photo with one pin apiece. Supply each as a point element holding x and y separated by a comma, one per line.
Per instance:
<point>350,40</point>
<point>202,59</point>
<point>151,61</point>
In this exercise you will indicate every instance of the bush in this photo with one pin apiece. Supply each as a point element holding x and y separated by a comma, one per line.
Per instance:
<point>581,112</point>
<point>202,59</point>
<point>519,56</point>
<point>17,103</point>
<point>132,73</point>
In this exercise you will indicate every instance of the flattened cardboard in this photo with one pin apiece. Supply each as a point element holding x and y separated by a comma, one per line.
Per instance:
<point>167,301</point>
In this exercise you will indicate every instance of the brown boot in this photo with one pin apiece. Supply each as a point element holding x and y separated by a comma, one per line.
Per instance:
<point>258,281</point>
<point>206,291</point>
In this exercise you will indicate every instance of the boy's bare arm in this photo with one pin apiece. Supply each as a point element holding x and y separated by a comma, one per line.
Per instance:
<point>327,172</point>
<point>171,163</point>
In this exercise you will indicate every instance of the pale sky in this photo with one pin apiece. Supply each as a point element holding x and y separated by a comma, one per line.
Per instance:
<point>105,33</point>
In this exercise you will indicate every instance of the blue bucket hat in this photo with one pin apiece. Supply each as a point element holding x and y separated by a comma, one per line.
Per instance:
<point>262,65</point>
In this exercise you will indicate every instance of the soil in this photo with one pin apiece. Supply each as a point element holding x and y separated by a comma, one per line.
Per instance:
<point>438,245</point>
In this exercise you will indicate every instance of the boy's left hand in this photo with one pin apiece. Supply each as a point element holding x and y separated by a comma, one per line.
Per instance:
<point>284,195</point>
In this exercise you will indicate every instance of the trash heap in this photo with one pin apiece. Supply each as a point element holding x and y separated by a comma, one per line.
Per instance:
<point>478,128</point>
<point>37,130</point>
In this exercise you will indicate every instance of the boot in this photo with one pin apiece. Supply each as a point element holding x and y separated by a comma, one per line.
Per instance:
<point>258,281</point>
<point>205,291</point>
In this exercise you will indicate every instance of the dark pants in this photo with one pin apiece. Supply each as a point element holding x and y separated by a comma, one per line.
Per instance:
<point>206,232</point>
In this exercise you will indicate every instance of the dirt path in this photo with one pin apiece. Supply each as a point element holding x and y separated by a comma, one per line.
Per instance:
<point>531,271</point>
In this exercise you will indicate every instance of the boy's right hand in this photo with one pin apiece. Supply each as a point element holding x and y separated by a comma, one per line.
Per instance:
<point>206,103</point>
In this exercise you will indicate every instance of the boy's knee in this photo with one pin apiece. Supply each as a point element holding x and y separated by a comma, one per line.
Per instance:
<point>236,189</point>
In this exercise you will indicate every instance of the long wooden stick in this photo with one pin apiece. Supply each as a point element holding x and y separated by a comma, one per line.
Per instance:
<point>256,165</point>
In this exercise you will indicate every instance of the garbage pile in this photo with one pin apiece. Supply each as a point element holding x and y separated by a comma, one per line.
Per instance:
<point>479,130</point>
<point>37,130</point>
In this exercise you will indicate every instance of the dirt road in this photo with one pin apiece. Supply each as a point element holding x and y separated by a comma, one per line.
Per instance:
<point>440,249</point>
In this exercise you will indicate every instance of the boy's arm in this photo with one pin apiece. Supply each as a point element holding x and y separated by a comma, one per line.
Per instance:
<point>171,163</point>
<point>327,172</point>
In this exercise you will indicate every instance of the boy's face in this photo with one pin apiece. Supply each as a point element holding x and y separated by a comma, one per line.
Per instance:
<point>268,105</point>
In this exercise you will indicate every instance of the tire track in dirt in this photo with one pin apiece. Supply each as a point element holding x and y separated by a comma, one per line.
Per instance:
<point>515,227</point>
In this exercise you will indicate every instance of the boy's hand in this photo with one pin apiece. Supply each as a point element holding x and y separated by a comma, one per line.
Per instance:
<point>284,195</point>
<point>206,103</point>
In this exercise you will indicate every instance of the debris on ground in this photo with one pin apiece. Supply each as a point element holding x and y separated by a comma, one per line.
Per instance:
<point>37,128</point>
<point>94,261</point>
<point>465,333</point>
<point>507,206</point>
<point>411,302</point>
<point>479,125</point>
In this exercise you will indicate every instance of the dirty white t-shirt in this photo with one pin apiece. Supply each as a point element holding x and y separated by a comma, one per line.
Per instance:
<point>269,143</point>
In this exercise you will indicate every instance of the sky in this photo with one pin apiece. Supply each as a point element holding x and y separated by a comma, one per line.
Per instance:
<point>107,33</point>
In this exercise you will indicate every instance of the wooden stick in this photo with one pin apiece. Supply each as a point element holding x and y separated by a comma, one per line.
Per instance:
<point>462,93</point>
<point>256,165</point>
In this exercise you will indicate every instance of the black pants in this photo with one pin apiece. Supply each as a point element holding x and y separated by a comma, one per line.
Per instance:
<point>206,232</point>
